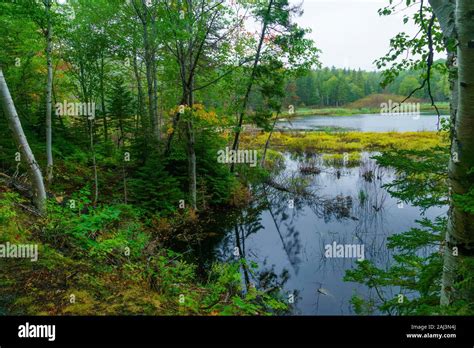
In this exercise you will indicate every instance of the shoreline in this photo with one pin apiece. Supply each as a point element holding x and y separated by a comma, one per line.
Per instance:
<point>443,108</point>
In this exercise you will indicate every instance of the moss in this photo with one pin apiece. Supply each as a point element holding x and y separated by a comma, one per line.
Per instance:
<point>85,273</point>
<point>309,142</point>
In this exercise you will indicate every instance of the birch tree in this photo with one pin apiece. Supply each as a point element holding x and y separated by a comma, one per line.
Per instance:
<point>34,171</point>
<point>146,12</point>
<point>455,19</point>
<point>459,245</point>
<point>278,37</point>
<point>49,88</point>
<point>43,19</point>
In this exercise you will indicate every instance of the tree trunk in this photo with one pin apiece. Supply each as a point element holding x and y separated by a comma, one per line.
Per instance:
<point>235,145</point>
<point>49,87</point>
<point>157,133</point>
<point>125,194</point>
<point>150,70</point>
<point>141,111</point>
<point>267,143</point>
<point>34,171</point>
<point>449,267</point>
<point>149,78</point>
<point>94,163</point>
<point>191,142</point>
<point>189,124</point>
<point>459,248</point>
<point>191,164</point>
<point>102,98</point>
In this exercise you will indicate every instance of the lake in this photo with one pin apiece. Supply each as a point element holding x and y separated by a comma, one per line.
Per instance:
<point>286,234</point>
<point>296,219</point>
<point>364,123</point>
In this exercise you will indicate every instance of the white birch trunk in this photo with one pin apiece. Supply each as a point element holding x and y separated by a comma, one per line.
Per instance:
<point>460,234</point>
<point>49,87</point>
<point>34,171</point>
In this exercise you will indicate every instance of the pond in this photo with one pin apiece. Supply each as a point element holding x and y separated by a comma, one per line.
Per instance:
<point>297,218</point>
<point>364,123</point>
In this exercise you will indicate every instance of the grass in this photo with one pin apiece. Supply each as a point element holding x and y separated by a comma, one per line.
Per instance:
<point>348,159</point>
<point>348,142</point>
<point>362,196</point>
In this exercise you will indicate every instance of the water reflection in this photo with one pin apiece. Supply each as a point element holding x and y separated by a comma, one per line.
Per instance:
<point>364,123</point>
<point>296,215</point>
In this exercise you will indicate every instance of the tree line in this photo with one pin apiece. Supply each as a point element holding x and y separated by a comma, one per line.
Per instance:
<point>332,87</point>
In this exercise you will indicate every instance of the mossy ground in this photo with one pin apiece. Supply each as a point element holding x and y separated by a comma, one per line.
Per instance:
<point>108,262</point>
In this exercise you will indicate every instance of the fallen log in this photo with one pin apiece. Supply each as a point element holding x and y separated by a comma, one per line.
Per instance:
<point>12,183</point>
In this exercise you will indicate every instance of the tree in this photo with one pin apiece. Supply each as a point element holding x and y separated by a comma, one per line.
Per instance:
<point>197,31</point>
<point>460,234</point>
<point>49,89</point>
<point>279,37</point>
<point>120,109</point>
<point>408,84</point>
<point>43,20</point>
<point>455,33</point>
<point>146,12</point>
<point>34,171</point>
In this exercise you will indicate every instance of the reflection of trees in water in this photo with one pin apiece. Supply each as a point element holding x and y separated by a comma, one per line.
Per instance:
<point>333,265</point>
<point>359,218</point>
<point>339,208</point>
<point>284,216</point>
<point>366,212</point>
<point>247,223</point>
<point>268,279</point>
<point>302,190</point>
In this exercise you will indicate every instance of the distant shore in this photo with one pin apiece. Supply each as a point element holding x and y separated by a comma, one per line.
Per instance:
<point>443,108</point>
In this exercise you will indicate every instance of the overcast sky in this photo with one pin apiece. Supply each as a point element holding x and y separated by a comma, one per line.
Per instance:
<point>350,33</point>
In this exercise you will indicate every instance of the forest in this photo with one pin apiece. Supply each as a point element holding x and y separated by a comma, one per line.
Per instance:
<point>194,157</point>
<point>331,87</point>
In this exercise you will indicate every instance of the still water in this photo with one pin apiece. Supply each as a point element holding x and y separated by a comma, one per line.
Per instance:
<point>286,233</point>
<point>364,123</point>
<point>296,218</point>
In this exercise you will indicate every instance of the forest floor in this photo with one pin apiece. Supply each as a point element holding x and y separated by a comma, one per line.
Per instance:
<point>108,262</point>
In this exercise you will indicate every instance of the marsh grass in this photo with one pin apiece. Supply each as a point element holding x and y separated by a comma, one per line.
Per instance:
<point>317,142</point>
<point>337,159</point>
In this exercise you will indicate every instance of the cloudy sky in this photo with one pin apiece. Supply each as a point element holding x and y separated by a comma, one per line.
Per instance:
<point>350,33</point>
